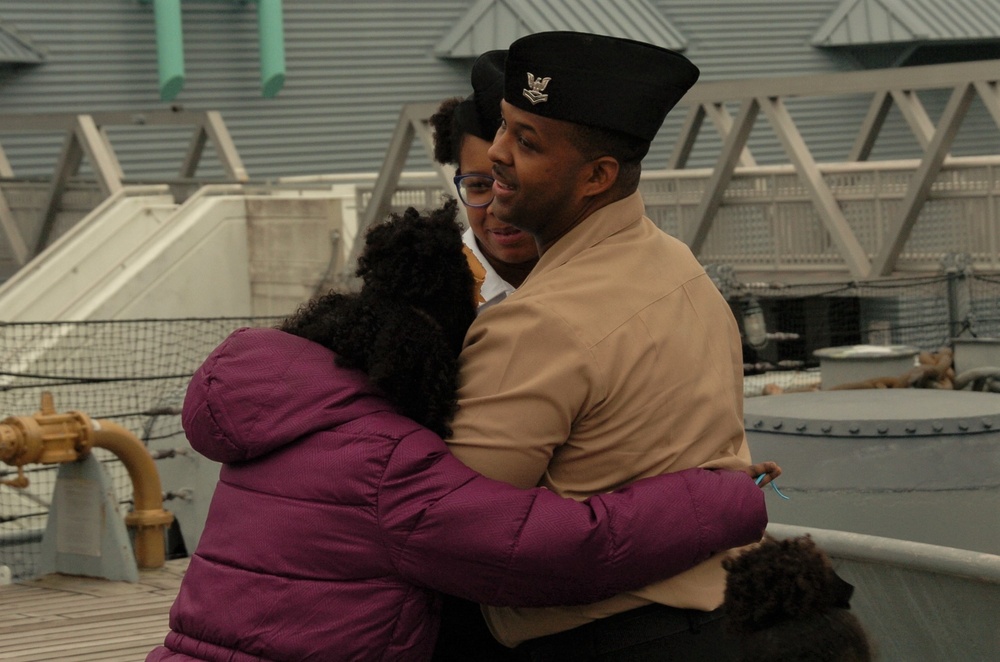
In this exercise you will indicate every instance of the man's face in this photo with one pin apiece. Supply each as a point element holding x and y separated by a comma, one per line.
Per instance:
<point>539,173</point>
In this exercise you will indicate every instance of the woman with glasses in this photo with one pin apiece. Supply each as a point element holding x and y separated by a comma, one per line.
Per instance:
<point>463,132</point>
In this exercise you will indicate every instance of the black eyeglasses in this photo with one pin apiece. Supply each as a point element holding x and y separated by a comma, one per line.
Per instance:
<point>475,190</point>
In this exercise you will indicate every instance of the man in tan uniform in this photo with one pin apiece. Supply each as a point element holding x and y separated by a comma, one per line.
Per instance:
<point>617,358</point>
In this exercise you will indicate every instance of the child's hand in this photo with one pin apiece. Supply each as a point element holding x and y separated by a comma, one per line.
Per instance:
<point>766,471</point>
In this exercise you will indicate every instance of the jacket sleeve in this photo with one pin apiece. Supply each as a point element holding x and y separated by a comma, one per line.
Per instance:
<point>453,530</point>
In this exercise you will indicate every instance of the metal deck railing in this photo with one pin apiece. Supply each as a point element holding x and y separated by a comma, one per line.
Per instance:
<point>808,220</point>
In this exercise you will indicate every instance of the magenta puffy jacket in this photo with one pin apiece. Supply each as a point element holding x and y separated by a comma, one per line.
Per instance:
<point>336,520</point>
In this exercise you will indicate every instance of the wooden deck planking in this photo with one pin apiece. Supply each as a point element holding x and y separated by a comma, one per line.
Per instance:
<point>82,619</point>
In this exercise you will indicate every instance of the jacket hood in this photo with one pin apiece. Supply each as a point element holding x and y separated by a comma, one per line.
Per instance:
<point>262,389</point>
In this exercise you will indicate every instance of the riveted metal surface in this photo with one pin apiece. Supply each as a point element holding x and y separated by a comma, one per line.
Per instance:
<point>911,464</point>
<point>875,413</point>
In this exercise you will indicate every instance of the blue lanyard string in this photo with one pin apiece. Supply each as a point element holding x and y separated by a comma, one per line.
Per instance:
<point>773,485</point>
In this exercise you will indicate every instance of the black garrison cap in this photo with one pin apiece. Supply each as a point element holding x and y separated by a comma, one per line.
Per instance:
<point>605,82</point>
<point>479,114</point>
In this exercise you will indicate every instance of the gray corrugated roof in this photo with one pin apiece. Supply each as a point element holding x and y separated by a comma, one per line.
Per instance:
<point>492,24</point>
<point>17,48</point>
<point>868,22</point>
<point>351,65</point>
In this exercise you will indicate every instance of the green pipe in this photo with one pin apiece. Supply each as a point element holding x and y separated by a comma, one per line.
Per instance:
<point>271,32</point>
<point>169,47</point>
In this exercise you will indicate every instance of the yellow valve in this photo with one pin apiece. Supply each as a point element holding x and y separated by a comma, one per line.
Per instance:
<point>48,437</point>
<point>12,449</point>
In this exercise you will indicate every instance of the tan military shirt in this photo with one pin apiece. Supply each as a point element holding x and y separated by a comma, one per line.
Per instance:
<point>617,359</point>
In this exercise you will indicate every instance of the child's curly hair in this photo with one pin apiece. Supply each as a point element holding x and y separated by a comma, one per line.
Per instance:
<point>406,326</point>
<point>786,604</point>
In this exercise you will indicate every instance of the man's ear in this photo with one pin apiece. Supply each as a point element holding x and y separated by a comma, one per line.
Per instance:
<point>602,175</point>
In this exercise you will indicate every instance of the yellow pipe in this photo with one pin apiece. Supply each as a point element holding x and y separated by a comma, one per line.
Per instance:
<point>51,438</point>
<point>148,518</point>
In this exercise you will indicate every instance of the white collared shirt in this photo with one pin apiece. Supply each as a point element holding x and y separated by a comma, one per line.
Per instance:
<point>495,289</point>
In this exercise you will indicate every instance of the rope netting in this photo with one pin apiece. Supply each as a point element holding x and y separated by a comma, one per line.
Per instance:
<point>133,372</point>
<point>925,313</point>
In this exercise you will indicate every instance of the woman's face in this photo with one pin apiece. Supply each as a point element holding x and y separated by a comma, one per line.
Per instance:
<point>498,240</point>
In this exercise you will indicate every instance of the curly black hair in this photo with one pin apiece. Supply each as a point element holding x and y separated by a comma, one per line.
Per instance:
<point>476,115</point>
<point>447,134</point>
<point>406,326</point>
<point>786,604</point>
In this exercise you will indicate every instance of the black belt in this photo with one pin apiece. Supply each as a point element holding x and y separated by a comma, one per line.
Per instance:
<point>617,632</point>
